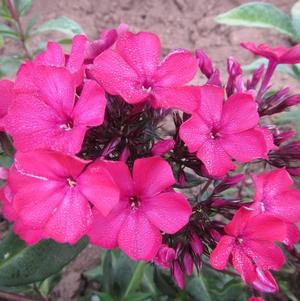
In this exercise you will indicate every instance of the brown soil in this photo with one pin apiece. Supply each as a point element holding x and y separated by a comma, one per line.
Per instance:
<point>179,23</point>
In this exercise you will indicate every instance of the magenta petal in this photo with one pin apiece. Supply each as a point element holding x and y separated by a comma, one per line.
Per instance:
<point>194,132</point>
<point>285,205</point>
<point>52,56</point>
<point>168,211</point>
<point>239,114</point>
<point>104,230</point>
<point>76,58</point>
<point>36,203</point>
<point>141,51</point>
<point>29,235</point>
<point>151,176</point>
<point>291,56</point>
<point>265,254</point>
<point>117,77</point>
<point>90,108</point>
<point>245,146</point>
<point>239,221</point>
<point>220,255</point>
<point>138,238</point>
<point>97,185</point>
<point>71,219</point>
<point>211,104</point>
<point>183,98</point>
<point>243,265</point>
<point>292,236</point>
<point>56,88</point>
<point>45,165</point>
<point>25,78</point>
<point>176,69</point>
<point>7,95</point>
<point>216,160</point>
<point>121,175</point>
<point>265,227</point>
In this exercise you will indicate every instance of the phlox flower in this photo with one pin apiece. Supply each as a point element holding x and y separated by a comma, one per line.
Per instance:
<point>249,243</point>
<point>220,131</point>
<point>53,193</point>
<point>52,116</point>
<point>133,71</point>
<point>275,195</point>
<point>278,55</point>
<point>147,205</point>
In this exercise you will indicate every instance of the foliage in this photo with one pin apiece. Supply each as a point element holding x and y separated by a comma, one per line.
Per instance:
<point>13,27</point>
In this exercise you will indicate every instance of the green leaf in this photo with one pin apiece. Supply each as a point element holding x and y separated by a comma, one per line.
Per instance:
<point>21,265</point>
<point>9,65</point>
<point>257,14</point>
<point>138,296</point>
<point>211,285</point>
<point>135,279</point>
<point>1,41</point>
<point>30,25</point>
<point>8,32</point>
<point>63,25</point>
<point>296,19</point>
<point>22,6</point>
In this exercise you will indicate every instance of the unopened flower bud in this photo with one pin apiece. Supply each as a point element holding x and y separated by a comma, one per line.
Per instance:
<point>162,147</point>
<point>205,63</point>
<point>188,264</point>
<point>178,275</point>
<point>264,281</point>
<point>196,244</point>
<point>164,257</point>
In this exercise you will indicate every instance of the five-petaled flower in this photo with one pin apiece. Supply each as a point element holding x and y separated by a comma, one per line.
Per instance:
<point>221,131</point>
<point>278,55</point>
<point>249,242</point>
<point>274,195</point>
<point>52,116</point>
<point>147,205</point>
<point>133,71</point>
<point>54,193</point>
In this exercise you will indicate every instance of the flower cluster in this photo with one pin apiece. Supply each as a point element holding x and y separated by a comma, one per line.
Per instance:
<point>109,136</point>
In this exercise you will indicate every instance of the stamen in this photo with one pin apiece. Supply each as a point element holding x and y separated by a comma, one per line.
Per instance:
<point>72,183</point>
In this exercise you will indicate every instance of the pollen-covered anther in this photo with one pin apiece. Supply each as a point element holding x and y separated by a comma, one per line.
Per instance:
<point>146,89</point>
<point>66,126</point>
<point>71,182</point>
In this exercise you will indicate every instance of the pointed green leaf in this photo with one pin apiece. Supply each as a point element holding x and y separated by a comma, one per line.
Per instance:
<point>296,19</point>
<point>258,14</point>
<point>22,6</point>
<point>63,25</point>
<point>20,264</point>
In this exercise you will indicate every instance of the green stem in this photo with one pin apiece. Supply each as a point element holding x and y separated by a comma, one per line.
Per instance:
<point>135,279</point>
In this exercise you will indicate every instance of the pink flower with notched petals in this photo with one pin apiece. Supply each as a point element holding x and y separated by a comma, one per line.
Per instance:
<point>53,193</point>
<point>133,71</point>
<point>147,205</point>
<point>221,131</point>
<point>274,195</point>
<point>52,117</point>
<point>279,55</point>
<point>249,241</point>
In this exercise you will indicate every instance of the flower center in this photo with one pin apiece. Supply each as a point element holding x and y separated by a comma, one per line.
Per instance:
<point>146,86</point>
<point>239,240</point>
<point>71,182</point>
<point>67,126</point>
<point>262,207</point>
<point>134,202</point>
<point>214,134</point>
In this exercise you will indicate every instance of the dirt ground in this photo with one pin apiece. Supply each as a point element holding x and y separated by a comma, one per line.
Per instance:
<point>180,24</point>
